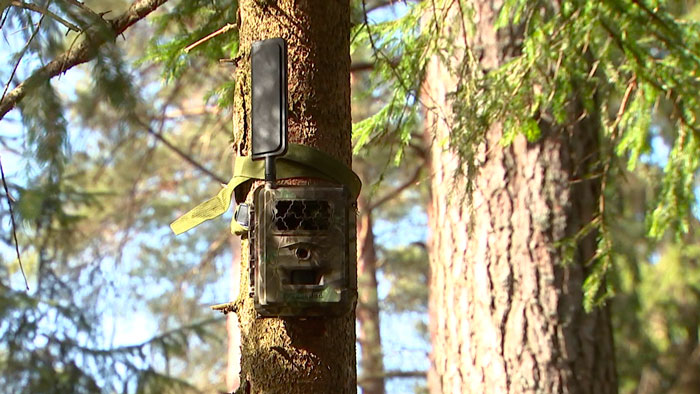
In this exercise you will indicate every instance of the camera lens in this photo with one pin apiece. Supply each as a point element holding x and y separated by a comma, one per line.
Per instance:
<point>302,253</point>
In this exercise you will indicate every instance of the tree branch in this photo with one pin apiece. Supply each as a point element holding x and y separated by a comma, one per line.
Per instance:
<point>361,66</point>
<point>367,66</point>
<point>44,11</point>
<point>391,375</point>
<point>84,52</point>
<point>396,191</point>
<point>14,225</point>
<point>180,153</point>
<point>223,30</point>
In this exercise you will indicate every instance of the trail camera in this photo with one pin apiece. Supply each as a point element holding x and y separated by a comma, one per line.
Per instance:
<point>298,235</point>
<point>300,250</point>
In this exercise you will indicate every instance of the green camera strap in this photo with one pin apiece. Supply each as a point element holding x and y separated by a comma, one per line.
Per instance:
<point>300,161</point>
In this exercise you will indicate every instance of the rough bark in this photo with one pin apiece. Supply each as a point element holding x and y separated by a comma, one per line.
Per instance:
<point>369,336</point>
<point>291,355</point>
<point>233,365</point>
<point>506,313</point>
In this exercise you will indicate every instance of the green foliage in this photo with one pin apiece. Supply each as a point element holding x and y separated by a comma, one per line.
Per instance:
<point>185,23</point>
<point>92,205</point>
<point>632,67</point>
<point>15,22</point>
<point>394,199</point>
<point>656,319</point>
<point>677,192</point>
<point>622,55</point>
<point>171,55</point>
<point>399,56</point>
<point>52,339</point>
<point>224,93</point>
<point>38,358</point>
<point>97,199</point>
<point>627,65</point>
<point>112,81</point>
<point>42,114</point>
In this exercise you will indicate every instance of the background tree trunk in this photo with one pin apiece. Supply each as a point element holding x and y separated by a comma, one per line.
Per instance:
<point>372,378</point>
<point>506,313</point>
<point>289,355</point>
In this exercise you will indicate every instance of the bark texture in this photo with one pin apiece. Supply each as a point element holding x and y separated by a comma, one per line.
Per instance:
<point>371,362</point>
<point>233,365</point>
<point>290,355</point>
<point>506,303</point>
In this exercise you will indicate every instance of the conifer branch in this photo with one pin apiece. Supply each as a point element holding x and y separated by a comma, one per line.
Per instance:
<point>378,52</point>
<point>45,11</point>
<point>95,37</point>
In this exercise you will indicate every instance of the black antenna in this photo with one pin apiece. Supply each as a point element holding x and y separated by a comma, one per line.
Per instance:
<point>269,86</point>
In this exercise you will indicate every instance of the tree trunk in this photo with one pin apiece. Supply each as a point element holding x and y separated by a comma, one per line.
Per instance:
<point>233,365</point>
<point>506,313</point>
<point>372,377</point>
<point>291,355</point>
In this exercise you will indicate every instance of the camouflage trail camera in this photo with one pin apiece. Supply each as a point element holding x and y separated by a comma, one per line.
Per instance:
<point>300,251</point>
<point>299,235</point>
<point>301,248</point>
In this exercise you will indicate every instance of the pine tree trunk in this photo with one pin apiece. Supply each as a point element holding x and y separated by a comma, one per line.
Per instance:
<point>372,377</point>
<point>291,355</point>
<point>233,331</point>
<point>506,313</point>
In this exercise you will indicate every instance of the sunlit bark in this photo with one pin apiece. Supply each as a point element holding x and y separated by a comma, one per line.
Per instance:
<point>506,306</point>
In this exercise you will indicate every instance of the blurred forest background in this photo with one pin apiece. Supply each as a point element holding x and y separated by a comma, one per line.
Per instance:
<point>100,159</point>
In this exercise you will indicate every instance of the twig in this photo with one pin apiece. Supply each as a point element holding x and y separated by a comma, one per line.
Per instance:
<point>4,18</point>
<point>392,194</point>
<point>14,225</point>
<point>378,52</point>
<point>19,58</point>
<point>223,30</point>
<point>623,105</point>
<point>227,307</point>
<point>180,153</point>
<point>392,375</point>
<point>45,11</point>
<point>70,48</point>
<point>217,246</point>
<point>392,65</point>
